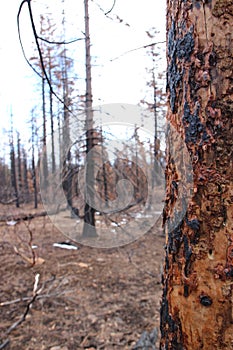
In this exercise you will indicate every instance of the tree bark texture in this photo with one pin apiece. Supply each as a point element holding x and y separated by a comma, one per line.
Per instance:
<point>197,301</point>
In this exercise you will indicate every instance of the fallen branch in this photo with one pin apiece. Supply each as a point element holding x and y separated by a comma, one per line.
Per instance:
<point>10,201</point>
<point>4,344</point>
<point>6,303</point>
<point>41,296</point>
<point>35,293</point>
<point>23,216</point>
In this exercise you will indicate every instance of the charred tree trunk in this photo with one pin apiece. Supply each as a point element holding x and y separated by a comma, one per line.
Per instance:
<point>156,178</point>
<point>13,173</point>
<point>197,301</point>
<point>34,177</point>
<point>51,116</point>
<point>66,131</point>
<point>25,177</point>
<point>19,166</point>
<point>44,156</point>
<point>89,212</point>
<point>104,170</point>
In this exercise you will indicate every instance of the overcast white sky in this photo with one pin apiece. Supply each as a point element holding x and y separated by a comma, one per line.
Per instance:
<point>118,81</point>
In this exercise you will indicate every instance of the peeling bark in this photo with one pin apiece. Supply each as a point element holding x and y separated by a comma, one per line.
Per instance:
<point>197,301</point>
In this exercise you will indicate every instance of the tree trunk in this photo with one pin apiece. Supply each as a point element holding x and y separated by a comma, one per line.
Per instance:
<point>67,163</point>
<point>25,177</point>
<point>19,166</point>
<point>13,173</point>
<point>34,180</point>
<point>44,155</point>
<point>89,212</point>
<point>197,301</point>
<point>34,177</point>
<point>51,115</point>
<point>105,174</point>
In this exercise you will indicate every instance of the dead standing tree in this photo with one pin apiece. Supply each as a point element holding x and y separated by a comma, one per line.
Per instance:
<point>89,211</point>
<point>13,166</point>
<point>197,301</point>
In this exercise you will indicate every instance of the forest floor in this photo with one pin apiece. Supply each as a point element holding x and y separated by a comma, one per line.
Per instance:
<point>83,298</point>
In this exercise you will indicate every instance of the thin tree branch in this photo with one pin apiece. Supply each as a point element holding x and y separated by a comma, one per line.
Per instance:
<point>4,344</point>
<point>39,51</point>
<point>35,293</point>
<point>60,42</point>
<point>41,56</point>
<point>20,39</point>
<point>137,48</point>
<point>120,20</point>
<point>40,296</point>
<point>114,3</point>
<point>10,201</point>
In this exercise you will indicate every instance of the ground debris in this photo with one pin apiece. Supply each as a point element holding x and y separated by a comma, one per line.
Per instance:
<point>92,298</point>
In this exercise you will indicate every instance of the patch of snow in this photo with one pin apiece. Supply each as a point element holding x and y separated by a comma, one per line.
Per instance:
<point>114,224</point>
<point>65,245</point>
<point>11,223</point>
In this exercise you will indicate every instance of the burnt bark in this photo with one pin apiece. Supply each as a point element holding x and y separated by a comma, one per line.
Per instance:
<point>33,170</point>
<point>19,165</point>
<point>89,229</point>
<point>25,177</point>
<point>13,173</point>
<point>197,301</point>
<point>44,179</point>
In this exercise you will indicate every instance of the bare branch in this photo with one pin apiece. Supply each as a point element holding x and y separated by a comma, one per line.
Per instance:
<point>8,202</point>
<point>4,344</point>
<point>138,48</point>
<point>120,20</point>
<point>60,42</point>
<point>23,216</point>
<point>36,37</point>
<point>23,317</point>
<point>114,3</point>
<point>20,39</point>
<point>39,296</point>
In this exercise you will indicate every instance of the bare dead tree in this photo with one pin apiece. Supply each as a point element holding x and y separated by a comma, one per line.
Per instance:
<point>89,212</point>
<point>13,166</point>
<point>25,176</point>
<point>34,175</point>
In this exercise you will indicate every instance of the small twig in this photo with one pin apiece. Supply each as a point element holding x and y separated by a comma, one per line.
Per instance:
<point>23,317</point>
<point>35,293</point>
<point>4,344</point>
<point>137,48</point>
<point>114,3</point>
<point>15,301</point>
<point>10,201</point>
<point>41,296</point>
<point>59,42</point>
<point>30,242</point>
